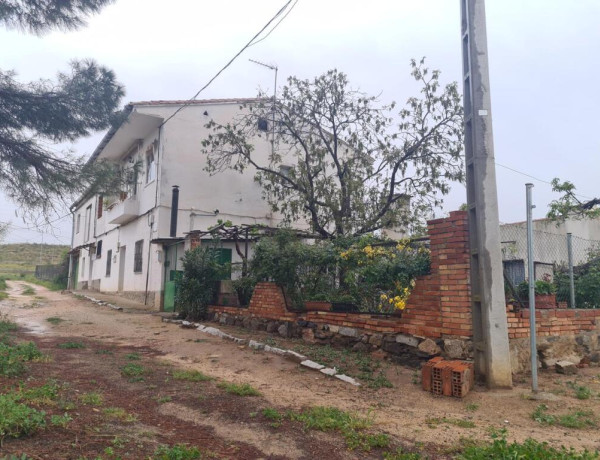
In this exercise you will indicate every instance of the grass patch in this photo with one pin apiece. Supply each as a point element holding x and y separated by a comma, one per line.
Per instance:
<point>243,389</point>
<point>472,407</point>
<point>60,420</point>
<point>349,425</point>
<point>71,345</point>
<point>28,291</point>
<point>434,422</point>
<point>6,325</point>
<point>13,357</point>
<point>44,395</point>
<point>132,357</point>
<point>578,419</point>
<point>104,352</point>
<point>581,391</point>
<point>133,370</point>
<point>162,399</point>
<point>17,419</point>
<point>177,452</point>
<point>54,320</point>
<point>192,376</point>
<point>92,399</point>
<point>273,415</point>
<point>530,449</point>
<point>118,413</point>
<point>399,454</point>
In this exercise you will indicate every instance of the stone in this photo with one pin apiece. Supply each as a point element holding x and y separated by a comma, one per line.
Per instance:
<point>308,335</point>
<point>230,320</point>
<point>376,340</point>
<point>223,318</point>
<point>256,345</point>
<point>360,346</point>
<point>364,338</point>
<point>246,322</point>
<point>565,367</point>
<point>272,326</point>
<point>322,334</point>
<point>284,330</point>
<point>454,348</point>
<point>595,357</point>
<point>409,340</point>
<point>238,322</point>
<point>274,350</point>
<point>347,379</point>
<point>347,331</point>
<point>312,365</point>
<point>334,329</point>
<point>328,371</point>
<point>254,323</point>
<point>293,356</point>
<point>429,347</point>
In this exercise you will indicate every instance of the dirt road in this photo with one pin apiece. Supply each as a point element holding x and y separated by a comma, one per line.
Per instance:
<point>407,414</point>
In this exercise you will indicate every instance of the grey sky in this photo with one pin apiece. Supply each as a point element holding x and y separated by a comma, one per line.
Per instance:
<point>543,70</point>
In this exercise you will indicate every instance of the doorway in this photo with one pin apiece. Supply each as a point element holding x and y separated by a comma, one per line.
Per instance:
<point>122,258</point>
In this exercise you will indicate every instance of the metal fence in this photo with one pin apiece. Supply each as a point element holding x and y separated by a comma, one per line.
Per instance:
<point>555,257</point>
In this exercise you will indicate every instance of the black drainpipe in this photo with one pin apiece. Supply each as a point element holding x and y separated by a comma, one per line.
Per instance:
<point>174,209</point>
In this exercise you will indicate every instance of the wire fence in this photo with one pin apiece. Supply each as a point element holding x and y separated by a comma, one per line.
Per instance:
<point>556,256</point>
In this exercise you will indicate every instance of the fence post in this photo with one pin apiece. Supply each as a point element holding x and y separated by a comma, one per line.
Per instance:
<point>531,275</point>
<point>571,279</point>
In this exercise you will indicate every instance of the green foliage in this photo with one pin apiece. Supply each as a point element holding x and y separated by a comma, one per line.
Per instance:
<point>530,449</point>
<point>198,286</point>
<point>92,398</point>
<point>17,419</point>
<point>28,291</point>
<point>39,396</point>
<point>60,420</point>
<point>192,376</point>
<point>244,287</point>
<point>54,320</point>
<point>542,287</point>
<point>272,414</point>
<point>586,279</point>
<point>132,356</point>
<point>577,419</point>
<point>568,206</point>
<point>351,166</point>
<point>133,370</point>
<point>71,345</point>
<point>400,454</point>
<point>177,452</point>
<point>243,389</point>
<point>13,357</point>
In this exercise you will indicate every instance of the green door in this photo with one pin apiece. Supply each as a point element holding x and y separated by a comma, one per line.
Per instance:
<point>75,273</point>
<point>171,289</point>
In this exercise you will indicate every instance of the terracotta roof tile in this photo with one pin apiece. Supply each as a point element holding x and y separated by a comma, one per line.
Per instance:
<point>198,101</point>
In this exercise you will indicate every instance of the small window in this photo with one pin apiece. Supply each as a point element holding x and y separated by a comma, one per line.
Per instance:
<point>263,124</point>
<point>285,170</point>
<point>137,256</point>
<point>78,223</point>
<point>108,262</point>
<point>99,249</point>
<point>150,165</point>
<point>82,267</point>
<point>100,205</point>
<point>88,222</point>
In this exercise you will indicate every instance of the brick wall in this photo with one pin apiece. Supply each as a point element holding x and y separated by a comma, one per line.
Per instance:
<point>438,306</point>
<point>552,322</point>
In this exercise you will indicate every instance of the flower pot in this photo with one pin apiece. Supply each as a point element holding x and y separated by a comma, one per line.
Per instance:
<point>545,301</point>
<point>317,305</point>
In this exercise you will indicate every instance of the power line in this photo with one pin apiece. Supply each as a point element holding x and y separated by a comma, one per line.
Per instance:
<point>231,61</point>
<point>275,26</point>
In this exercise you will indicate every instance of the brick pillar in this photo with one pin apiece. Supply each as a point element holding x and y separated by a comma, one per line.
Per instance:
<point>194,241</point>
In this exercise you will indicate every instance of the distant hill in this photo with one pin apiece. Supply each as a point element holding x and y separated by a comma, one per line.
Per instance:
<point>23,257</point>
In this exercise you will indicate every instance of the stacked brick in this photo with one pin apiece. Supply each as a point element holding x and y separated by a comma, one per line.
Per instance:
<point>447,378</point>
<point>553,322</point>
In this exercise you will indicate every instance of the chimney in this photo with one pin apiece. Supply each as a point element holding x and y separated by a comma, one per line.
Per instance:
<point>174,209</point>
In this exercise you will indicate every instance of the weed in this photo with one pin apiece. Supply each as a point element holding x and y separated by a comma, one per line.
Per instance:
<point>92,399</point>
<point>60,420</point>
<point>583,392</point>
<point>162,399</point>
<point>271,342</point>
<point>578,419</point>
<point>401,455</point>
<point>68,345</point>
<point>273,415</point>
<point>6,325</point>
<point>133,356</point>
<point>133,370</point>
<point>17,419</point>
<point>177,452</point>
<point>434,422</point>
<point>377,382</point>
<point>472,407</point>
<point>44,395</point>
<point>529,449</point>
<point>28,291</point>
<point>243,389</point>
<point>12,357</point>
<point>104,352</point>
<point>118,413</point>
<point>191,376</point>
<point>54,320</point>
<point>415,377</point>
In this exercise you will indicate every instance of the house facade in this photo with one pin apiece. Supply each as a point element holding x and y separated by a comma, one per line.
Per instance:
<point>130,242</point>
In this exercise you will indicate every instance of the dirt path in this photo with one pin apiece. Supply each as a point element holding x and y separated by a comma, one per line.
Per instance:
<point>404,411</point>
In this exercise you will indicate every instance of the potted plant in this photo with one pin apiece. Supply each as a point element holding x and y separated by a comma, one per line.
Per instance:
<point>545,293</point>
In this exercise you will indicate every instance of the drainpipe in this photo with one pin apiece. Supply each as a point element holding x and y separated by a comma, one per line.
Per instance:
<point>70,272</point>
<point>174,210</point>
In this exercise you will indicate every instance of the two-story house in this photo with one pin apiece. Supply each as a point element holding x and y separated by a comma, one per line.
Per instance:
<point>131,242</point>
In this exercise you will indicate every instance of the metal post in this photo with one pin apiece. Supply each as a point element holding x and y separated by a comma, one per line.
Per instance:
<point>571,279</point>
<point>531,275</point>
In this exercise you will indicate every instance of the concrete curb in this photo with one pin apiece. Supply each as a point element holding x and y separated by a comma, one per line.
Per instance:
<point>287,354</point>
<point>101,302</point>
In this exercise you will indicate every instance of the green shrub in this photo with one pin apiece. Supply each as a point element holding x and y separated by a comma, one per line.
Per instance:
<point>243,389</point>
<point>133,370</point>
<point>71,345</point>
<point>197,288</point>
<point>177,452</point>
<point>12,357</point>
<point>17,419</point>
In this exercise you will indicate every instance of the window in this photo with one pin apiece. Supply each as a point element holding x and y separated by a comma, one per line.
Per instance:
<point>99,249</point>
<point>88,222</point>
<point>78,223</point>
<point>137,256</point>
<point>100,205</point>
<point>150,165</point>
<point>108,262</point>
<point>263,124</point>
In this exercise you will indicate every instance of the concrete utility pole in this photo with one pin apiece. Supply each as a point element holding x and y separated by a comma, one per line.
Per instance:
<point>490,330</point>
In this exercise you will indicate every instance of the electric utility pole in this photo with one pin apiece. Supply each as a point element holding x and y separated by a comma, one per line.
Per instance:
<point>490,329</point>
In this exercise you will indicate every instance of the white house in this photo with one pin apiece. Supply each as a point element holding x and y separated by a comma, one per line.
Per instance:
<point>124,243</point>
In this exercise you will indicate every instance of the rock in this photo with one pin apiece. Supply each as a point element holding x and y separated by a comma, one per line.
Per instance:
<point>256,345</point>
<point>230,320</point>
<point>293,356</point>
<point>272,326</point>
<point>246,322</point>
<point>308,335</point>
<point>565,367</point>
<point>429,347</point>
<point>187,325</point>
<point>376,340</point>
<point>334,329</point>
<point>347,332</point>
<point>364,338</point>
<point>239,322</point>
<point>328,371</point>
<point>284,330</point>
<point>322,334</point>
<point>407,340</point>
<point>255,323</point>
<point>274,350</point>
<point>454,348</point>
<point>595,357</point>
<point>312,365</point>
<point>311,325</point>
<point>223,318</point>
<point>347,379</point>
<point>360,346</point>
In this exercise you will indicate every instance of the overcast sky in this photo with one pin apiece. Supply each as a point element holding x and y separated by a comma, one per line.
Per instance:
<point>543,54</point>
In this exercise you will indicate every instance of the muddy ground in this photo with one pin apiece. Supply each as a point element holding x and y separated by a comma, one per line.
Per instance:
<point>157,409</point>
